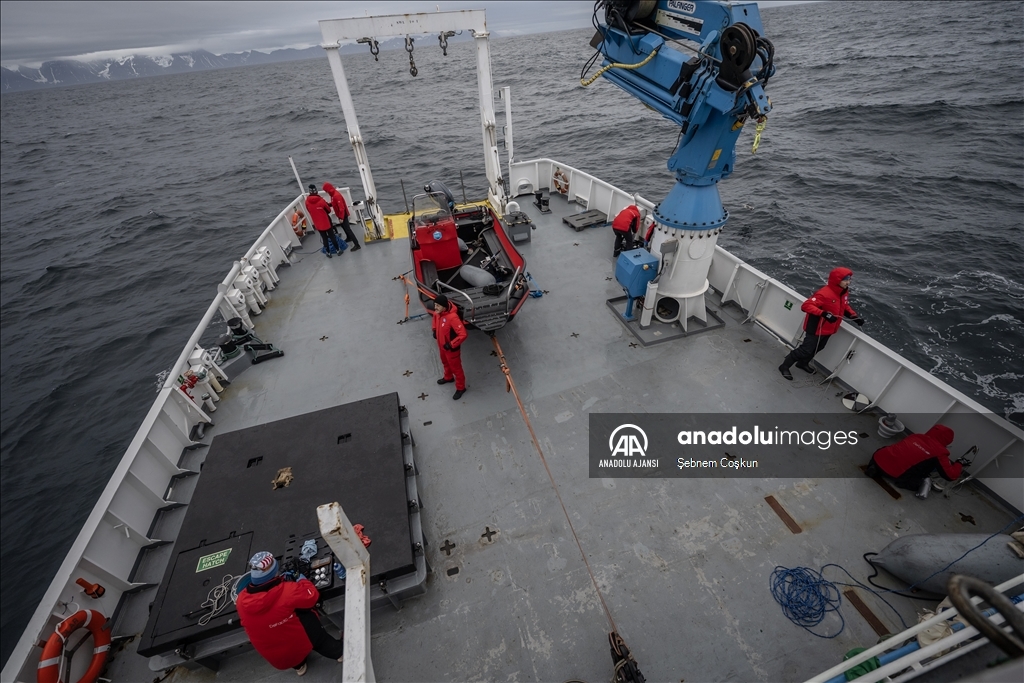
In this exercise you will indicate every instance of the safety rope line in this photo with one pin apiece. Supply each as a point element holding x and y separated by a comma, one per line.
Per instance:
<point>617,65</point>
<point>510,385</point>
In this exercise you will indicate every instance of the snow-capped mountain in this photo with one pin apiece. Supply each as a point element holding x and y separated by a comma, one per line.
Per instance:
<point>70,72</point>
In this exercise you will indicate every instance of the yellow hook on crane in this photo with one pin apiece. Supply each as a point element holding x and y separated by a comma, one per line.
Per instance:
<point>762,121</point>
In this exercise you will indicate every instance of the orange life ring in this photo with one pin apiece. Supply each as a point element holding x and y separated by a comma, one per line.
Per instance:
<point>561,181</point>
<point>49,670</point>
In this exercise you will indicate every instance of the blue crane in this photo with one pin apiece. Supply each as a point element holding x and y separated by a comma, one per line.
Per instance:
<point>704,66</point>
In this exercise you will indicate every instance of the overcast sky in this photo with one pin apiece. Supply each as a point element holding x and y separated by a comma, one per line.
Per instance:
<point>33,32</point>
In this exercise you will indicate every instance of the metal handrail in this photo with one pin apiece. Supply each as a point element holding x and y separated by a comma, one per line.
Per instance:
<point>472,306</point>
<point>508,294</point>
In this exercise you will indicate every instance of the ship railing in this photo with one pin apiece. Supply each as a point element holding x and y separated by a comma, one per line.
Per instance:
<point>467,297</point>
<point>892,383</point>
<point>511,284</point>
<point>122,522</point>
<point>902,657</point>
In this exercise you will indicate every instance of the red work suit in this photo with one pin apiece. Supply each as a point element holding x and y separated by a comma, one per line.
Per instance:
<point>319,211</point>
<point>831,298</point>
<point>897,459</point>
<point>625,225</point>
<point>270,621</point>
<point>448,328</point>
<point>337,202</point>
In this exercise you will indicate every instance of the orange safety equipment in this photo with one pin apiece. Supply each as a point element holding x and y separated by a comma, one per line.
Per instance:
<point>50,664</point>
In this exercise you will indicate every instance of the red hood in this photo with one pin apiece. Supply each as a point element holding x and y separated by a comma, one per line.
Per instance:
<point>328,188</point>
<point>263,599</point>
<point>834,277</point>
<point>941,433</point>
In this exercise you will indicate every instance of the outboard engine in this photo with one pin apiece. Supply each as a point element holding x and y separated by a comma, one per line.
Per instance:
<point>438,186</point>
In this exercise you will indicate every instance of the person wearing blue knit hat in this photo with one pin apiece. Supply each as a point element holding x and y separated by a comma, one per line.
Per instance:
<point>279,619</point>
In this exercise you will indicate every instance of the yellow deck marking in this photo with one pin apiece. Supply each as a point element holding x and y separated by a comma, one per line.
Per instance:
<point>397,224</point>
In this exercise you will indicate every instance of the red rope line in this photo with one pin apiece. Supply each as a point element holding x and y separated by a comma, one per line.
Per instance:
<point>511,386</point>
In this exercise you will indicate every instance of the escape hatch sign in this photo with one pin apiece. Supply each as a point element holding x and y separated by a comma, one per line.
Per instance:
<point>213,560</point>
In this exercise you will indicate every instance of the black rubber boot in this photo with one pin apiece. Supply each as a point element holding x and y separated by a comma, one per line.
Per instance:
<point>458,394</point>
<point>805,367</point>
<point>445,381</point>
<point>784,369</point>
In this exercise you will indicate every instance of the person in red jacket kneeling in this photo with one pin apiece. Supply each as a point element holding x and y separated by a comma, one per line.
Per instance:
<point>278,617</point>
<point>913,459</point>
<point>825,310</point>
<point>450,333</point>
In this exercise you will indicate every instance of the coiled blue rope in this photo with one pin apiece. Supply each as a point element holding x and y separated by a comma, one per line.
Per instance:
<point>806,597</point>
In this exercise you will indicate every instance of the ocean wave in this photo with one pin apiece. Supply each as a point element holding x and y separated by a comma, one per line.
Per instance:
<point>898,114</point>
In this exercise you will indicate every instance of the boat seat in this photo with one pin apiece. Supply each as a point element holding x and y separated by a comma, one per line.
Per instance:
<point>429,273</point>
<point>439,243</point>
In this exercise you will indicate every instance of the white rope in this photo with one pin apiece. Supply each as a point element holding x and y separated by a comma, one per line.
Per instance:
<point>218,598</point>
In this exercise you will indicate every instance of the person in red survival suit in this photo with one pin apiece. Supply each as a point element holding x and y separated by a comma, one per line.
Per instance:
<point>824,312</point>
<point>625,225</point>
<point>320,212</point>
<point>914,458</point>
<point>277,616</point>
<point>341,211</point>
<point>450,333</point>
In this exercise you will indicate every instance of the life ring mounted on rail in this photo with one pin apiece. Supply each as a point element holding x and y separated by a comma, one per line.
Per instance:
<point>52,660</point>
<point>561,181</point>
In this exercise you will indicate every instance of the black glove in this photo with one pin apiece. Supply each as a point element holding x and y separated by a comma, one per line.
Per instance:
<point>435,334</point>
<point>829,317</point>
<point>447,346</point>
<point>858,320</point>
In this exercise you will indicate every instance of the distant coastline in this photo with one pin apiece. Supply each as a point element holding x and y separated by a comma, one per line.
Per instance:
<point>65,72</point>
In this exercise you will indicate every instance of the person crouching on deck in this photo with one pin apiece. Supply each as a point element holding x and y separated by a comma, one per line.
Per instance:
<point>913,459</point>
<point>450,333</point>
<point>625,226</point>
<point>825,311</point>
<point>278,616</point>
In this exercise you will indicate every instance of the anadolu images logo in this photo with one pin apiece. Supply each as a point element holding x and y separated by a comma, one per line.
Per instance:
<point>628,443</point>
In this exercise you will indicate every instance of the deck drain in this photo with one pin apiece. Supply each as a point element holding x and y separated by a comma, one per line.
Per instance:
<point>453,571</point>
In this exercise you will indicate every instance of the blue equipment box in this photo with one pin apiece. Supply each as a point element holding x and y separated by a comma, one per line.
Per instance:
<point>635,269</point>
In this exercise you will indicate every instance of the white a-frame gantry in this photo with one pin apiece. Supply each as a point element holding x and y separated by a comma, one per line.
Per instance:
<point>338,31</point>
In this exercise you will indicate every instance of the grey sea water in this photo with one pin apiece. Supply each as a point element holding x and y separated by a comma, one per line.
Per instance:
<point>896,148</point>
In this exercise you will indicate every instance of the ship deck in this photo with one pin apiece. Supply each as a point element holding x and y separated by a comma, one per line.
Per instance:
<point>683,564</point>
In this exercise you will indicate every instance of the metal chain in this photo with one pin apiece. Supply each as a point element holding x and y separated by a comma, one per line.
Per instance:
<point>374,47</point>
<point>409,48</point>
<point>442,39</point>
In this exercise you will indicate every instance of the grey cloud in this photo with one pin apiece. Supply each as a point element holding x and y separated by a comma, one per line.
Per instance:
<point>37,31</point>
